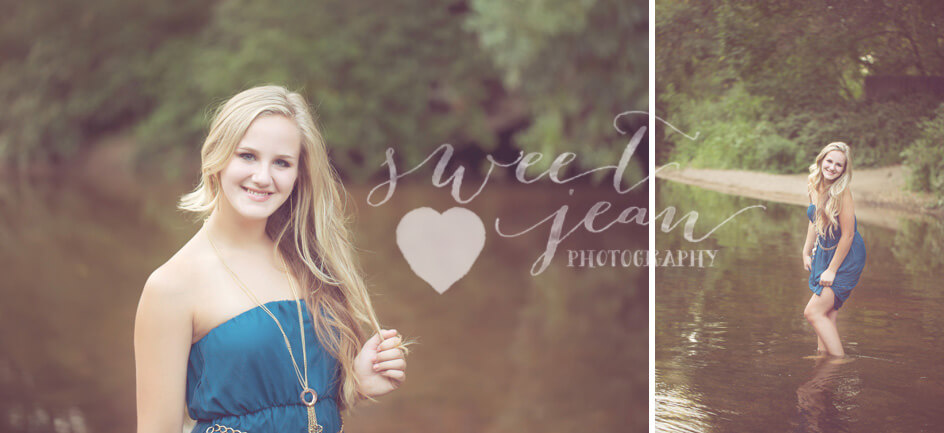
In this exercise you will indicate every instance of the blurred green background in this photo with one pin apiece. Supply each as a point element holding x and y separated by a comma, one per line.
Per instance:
<point>105,105</point>
<point>545,75</point>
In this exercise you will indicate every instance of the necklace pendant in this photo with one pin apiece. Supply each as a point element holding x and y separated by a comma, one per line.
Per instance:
<point>313,426</point>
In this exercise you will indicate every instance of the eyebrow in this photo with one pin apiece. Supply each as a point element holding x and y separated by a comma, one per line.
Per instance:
<point>256,151</point>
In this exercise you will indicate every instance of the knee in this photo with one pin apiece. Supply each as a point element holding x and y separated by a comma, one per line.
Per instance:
<point>810,314</point>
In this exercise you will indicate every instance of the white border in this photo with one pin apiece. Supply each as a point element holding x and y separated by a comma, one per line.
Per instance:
<point>652,206</point>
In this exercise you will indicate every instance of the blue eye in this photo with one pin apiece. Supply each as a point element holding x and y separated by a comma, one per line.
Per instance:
<point>283,163</point>
<point>247,156</point>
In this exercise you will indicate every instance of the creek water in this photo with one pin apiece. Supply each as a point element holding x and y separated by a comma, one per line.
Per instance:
<point>500,351</point>
<point>733,350</point>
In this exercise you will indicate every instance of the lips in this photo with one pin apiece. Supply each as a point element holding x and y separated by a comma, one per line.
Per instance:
<point>256,194</point>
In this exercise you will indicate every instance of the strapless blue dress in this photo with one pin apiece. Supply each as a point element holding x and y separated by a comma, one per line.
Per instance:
<point>240,375</point>
<point>848,274</point>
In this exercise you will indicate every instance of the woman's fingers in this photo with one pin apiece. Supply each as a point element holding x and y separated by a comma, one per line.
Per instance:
<point>373,343</point>
<point>397,375</point>
<point>390,342</point>
<point>396,364</point>
<point>390,360</point>
<point>389,354</point>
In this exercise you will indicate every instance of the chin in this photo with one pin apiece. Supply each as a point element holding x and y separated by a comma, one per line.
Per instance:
<point>255,214</point>
<point>261,212</point>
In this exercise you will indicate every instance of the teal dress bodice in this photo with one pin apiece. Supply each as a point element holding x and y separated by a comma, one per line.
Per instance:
<point>240,374</point>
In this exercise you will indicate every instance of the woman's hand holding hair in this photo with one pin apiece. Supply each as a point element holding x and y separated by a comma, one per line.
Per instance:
<point>380,366</point>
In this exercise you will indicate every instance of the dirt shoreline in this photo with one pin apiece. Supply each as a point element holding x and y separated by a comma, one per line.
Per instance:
<point>880,197</point>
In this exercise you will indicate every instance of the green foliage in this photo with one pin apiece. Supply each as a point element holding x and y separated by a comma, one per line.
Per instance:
<point>768,83</point>
<point>733,132</point>
<point>688,43</point>
<point>518,32</point>
<point>379,75</point>
<point>401,73</point>
<point>578,64</point>
<point>72,70</point>
<point>795,52</point>
<point>925,156</point>
<point>743,131</point>
<point>876,131</point>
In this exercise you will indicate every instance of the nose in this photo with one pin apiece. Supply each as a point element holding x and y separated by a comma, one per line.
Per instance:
<point>261,176</point>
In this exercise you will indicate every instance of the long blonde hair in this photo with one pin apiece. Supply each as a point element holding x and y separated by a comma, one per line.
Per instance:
<point>828,205</point>
<point>310,229</point>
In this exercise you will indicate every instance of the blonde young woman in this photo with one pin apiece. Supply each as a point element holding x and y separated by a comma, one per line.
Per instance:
<point>261,322</point>
<point>834,252</point>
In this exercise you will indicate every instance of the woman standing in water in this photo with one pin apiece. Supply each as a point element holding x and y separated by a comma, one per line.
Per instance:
<point>262,322</point>
<point>834,252</point>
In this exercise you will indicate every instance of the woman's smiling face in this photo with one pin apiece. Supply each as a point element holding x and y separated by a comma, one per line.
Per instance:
<point>833,165</point>
<point>261,173</point>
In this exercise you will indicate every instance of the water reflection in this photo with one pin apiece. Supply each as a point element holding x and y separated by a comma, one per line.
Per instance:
<point>500,351</point>
<point>679,410</point>
<point>731,339</point>
<point>819,402</point>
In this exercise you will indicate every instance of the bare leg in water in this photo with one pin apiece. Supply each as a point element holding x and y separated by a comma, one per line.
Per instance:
<point>817,313</point>
<point>834,317</point>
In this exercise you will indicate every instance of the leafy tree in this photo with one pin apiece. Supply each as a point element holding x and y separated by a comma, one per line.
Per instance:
<point>391,74</point>
<point>925,156</point>
<point>70,70</point>
<point>577,63</point>
<point>808,61</point>
<point>404,74</point>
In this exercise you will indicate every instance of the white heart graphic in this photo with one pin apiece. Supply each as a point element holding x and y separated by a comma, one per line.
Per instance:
<point>440,248</point>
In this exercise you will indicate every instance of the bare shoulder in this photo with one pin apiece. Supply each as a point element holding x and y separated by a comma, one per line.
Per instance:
<point>169,291</point>
<point>165,300</point>
<point>846,205</point>
<point>167,282</point>
<point>847,197</point>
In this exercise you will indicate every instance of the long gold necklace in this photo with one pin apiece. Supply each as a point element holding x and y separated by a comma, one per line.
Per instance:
<point>313,426</point>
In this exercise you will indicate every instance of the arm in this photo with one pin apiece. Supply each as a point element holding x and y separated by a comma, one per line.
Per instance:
<point>810,238</point>
<point>808,245</point>
<point>847,225</point>
<point>163,330</point>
